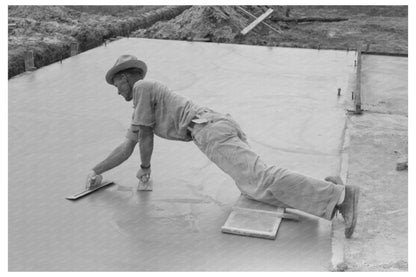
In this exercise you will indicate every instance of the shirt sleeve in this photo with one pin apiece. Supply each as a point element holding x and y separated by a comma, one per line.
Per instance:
<point>144,109</point>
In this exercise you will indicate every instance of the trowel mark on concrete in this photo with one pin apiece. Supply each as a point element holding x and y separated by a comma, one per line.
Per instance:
<point>185,201</point>
<point>184,220</point>
<point>178,212</point>
<point>134,223</point>
<point>190,219</point>
<point>118,229</point>
<point>196,190</point>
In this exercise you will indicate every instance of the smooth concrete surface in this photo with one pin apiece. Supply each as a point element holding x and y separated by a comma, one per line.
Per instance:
<point>384,84</point>
<point>64,118</point>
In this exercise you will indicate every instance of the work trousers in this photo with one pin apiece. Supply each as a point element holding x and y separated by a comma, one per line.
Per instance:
<point>221,139</point>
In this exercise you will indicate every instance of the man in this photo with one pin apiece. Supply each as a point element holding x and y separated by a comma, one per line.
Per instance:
<point>159,111</point>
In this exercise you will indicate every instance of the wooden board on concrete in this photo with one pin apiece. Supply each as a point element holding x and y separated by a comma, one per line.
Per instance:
<point>253,218</point>
<point>252,223</point>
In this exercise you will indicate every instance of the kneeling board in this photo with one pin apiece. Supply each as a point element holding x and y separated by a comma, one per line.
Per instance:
<point>255,219</point>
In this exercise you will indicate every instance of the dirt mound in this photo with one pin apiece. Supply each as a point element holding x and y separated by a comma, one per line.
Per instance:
<point>43,13</point>
<point>49,30</point>
<point>377,29</point>
<point>215,23</point>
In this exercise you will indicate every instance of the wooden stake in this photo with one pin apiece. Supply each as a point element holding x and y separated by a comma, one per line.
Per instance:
<point>357,96</point>
<point>74,48</point>
<point>29,61</point>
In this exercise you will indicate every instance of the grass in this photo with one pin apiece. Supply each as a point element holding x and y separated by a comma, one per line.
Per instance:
<point>383,28</point>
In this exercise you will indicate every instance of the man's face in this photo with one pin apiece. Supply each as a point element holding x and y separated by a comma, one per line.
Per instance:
<point>123,86</point>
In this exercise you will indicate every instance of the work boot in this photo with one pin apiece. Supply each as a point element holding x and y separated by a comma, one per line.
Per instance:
<point>348,209</point>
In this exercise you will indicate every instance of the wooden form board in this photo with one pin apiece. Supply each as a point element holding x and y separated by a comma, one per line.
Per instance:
<point>249,14</point>
<point>357,94</point>
<point>254,219</point>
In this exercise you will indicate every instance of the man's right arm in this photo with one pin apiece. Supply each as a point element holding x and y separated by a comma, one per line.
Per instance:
<point>116,157</point>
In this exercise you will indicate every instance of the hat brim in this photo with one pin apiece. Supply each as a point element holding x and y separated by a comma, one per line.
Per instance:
<point>128,64</point>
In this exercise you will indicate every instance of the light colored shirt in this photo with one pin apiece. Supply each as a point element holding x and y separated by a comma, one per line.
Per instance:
<point>168,113</point>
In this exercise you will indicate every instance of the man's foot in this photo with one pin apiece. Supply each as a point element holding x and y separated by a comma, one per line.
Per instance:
<point>348,209</point>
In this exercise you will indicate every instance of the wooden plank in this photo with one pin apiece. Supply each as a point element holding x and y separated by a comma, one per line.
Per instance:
<point>256,22</point>
<point>79,195</point>
<point>255,219</point>
<point>249,14</point>
<point>252,223</point>
<point>279,213</point>
<point>245,203</point>
<point>74,48</point>
<point>308,19</point>
<point>357,94</point>
<point>29,61</point>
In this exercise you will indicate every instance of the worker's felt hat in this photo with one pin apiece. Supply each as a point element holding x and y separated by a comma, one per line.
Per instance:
<point>122,63</point>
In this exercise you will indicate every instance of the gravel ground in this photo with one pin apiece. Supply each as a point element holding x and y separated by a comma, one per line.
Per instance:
<point>378,144</point>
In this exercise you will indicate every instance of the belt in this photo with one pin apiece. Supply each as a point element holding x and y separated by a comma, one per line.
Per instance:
<point>191,126</point>
<point>197,120</point>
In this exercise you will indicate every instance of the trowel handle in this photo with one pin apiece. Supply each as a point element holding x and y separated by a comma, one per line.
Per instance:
<point>145,178</point>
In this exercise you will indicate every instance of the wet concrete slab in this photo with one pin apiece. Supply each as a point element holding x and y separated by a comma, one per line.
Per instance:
<point>64,118</point>
<point>385,84</point>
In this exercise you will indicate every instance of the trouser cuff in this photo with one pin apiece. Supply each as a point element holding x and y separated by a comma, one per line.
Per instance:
<point>330,211</point>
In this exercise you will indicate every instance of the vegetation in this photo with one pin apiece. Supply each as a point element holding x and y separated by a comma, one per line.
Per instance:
<point>49,30</point>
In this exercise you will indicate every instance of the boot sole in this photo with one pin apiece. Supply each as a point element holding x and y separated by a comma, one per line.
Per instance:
<point>356,193</point>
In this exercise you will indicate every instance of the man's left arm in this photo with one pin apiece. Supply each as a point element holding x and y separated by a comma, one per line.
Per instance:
<point>146,150</point>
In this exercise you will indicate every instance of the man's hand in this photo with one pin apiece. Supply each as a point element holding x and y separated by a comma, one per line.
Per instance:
<point>93,180</point>
<point>143,175</point>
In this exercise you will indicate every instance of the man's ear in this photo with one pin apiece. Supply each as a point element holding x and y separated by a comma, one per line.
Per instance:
<point>141,74</point>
